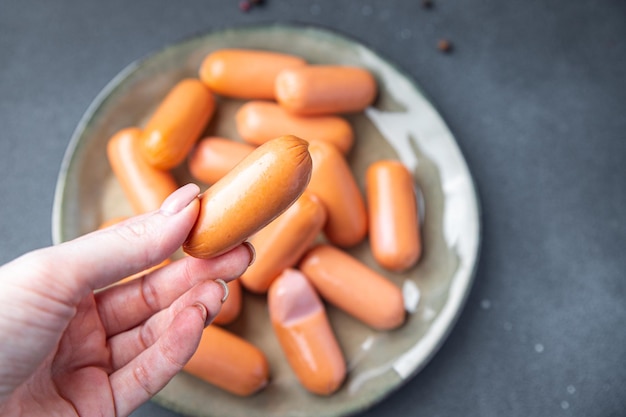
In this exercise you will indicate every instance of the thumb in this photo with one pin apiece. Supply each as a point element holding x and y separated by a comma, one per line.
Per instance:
<point>102,257</point>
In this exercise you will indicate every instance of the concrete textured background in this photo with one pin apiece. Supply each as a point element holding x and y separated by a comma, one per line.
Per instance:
<point>535,93</point>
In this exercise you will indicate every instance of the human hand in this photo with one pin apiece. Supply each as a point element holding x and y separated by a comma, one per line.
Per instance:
<point>66,349</point>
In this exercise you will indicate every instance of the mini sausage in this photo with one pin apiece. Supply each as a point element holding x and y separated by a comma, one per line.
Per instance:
<point>245,73</point>
<point>281,243</point>
<point>213,157</point>
<point>144,186</point>
<point>259,121</point>
<point>325,89</point>
<point>305,335</point>
<point>333,182</point>
<point>177,123</point>
<point>353,287</point>
<point>232,306</point>
<point>394,229</point>
<point>250,196</point>
<point>229,362</point>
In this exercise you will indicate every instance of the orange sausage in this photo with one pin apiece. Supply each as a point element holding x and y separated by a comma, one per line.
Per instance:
<point>325,89</point>
<point>178,122</point>
<point>213,157</point>
<point>229,362</point>
<point>259,121</point>
<point>333,182</point>
<point>232,306</point>
<point>281,243</point>
<point>300,323</point>
<point>245,73</point>
<point>250,196</point>
<point>393,220</point>
<point>353,287</point>
<point>145,187</point>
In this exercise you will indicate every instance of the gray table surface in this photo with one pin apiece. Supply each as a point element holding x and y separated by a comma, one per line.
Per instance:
<point>534,91</point>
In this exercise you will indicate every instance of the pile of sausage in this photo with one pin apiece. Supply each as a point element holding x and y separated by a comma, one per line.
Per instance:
<point>283,187</point>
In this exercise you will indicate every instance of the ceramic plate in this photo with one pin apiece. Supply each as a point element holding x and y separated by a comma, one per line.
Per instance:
<point>402,124</point>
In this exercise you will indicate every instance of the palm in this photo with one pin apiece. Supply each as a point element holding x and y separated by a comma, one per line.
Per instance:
<point>119,347</point>
<point>76,376</point>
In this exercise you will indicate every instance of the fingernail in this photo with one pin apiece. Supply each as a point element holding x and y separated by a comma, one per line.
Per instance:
<point>252,251</point>
<point>225,288</point>
<point>203,311</point>
<point>180,199</point>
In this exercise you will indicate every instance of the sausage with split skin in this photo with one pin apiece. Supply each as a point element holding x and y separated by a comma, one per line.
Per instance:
<point>250,196</point>
<point>177,123</point>
<point>259,121</point>
<point>304,332</point>
<point>394,229</point>
<point>145,186</point>
<point>245,73</point>
<point>353,287</point>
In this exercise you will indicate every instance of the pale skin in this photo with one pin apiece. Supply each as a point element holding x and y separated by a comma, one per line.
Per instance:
<point>73,345</point>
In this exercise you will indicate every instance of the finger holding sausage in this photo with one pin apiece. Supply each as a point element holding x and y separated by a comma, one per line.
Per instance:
<point>394,229</point>
<point>333,182</point>
<point>325,89</point>
<point>259,121</point>
<point>145,186</point>
<point>177,123</point>
<point>250,196</point>
<point>229,362</point>
<point>245,73</point>
<point>353,287</point>
<point>116,220</point>
<point>280,244</point>
<point>305,335</point>
<point>213,157</point>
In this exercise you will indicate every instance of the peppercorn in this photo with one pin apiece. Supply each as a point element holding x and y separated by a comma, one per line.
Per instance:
<point>245,5</point>
<point>444,45</point>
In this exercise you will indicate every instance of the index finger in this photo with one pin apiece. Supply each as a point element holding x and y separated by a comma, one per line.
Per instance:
<point>100,258</point>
